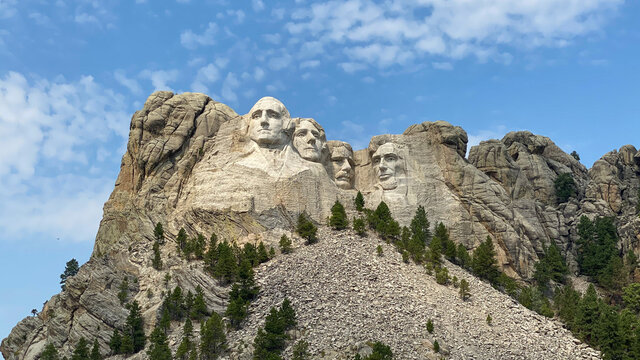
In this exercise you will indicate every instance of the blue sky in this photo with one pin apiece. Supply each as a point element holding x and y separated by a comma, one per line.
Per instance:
<point>72,72</point>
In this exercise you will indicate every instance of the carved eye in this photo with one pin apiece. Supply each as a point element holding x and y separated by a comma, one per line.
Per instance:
<point>315,134</point>
<point>301,133</point>
<point>273,114</point>
<point>390,157</point>
<point>256,114</point>
<point>375,160</point>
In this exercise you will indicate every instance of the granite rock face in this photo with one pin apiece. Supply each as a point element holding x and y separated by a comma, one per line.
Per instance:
<point>194,163</point>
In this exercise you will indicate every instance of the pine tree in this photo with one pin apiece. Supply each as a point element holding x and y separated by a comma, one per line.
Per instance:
<point>464,290</point>
<point>70,269</point>
<point>199,309</point>
<point>597,243</point>
<point>226,266</point>
<point>263,256</point>
<point>197,247</point>
<point>156,262</point>
<point>127,345</point>
<point>158,349</point>
<point>95,351</point>
<point>566,301</point>
<point>435,250</point>
<point>420,227</point>
<point>124,290</point>
<point>550,267</point>
<point>134,327</point>
<point>379,250</point>
<point>587,314</point>
<point>436,346</point>
<point>182,240</point>
<point>213,341</point>
<point>50,353</point>
<point>285,244</point>
<point>565,187</point>
<point>186,345</point>
<point>430,326</point>
<point>359,226</point>
<point>359,202</point>
<point>250,253</point>
<point>158,233</point>
<point>301,351</point>
<point>462,255</point>
<point>81,351</point>
<point>484,263</point>
<point>306,229</point>
<point>211,256</point>
<point>383,223</point>
<point>115,342</point>
<point>338,219</point>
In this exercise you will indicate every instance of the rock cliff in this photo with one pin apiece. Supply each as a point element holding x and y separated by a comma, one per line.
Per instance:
<point>194,163</point>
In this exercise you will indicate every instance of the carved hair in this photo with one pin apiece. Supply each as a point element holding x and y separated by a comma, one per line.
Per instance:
<point>315,124</point>
<point>288,124</point>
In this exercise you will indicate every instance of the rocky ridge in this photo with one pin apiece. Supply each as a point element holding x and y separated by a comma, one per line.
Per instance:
<point>194,163</point>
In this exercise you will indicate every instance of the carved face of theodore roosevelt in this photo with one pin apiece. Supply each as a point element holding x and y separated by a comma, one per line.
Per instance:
<point>387,165</point>
<point>309,139</point>
<point>343,164</point>
<point>269,123</point>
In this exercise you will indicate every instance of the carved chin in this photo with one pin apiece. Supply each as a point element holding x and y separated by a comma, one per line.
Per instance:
<point>310,155</point>
<point>389,184</point>
<point>344,184</point>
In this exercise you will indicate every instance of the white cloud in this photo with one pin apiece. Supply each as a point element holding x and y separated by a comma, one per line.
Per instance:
<point>229,86</point>
<point>280,62</point>
<point>309,64</point>
<point>129,83</point>
<point>258,74</point>
<point>442,65</point>
<point>50,128</point>
<point>206,75</point>
<point>160,78</point>
<point>257,5</point>
<point>191,40</point>
<point>391,32</point>
<point>487,134</point>
<point>7,8</point>
<point>272,38</point>
<point>351,67</point>
<point>238,14</point>
<point>84,18</point>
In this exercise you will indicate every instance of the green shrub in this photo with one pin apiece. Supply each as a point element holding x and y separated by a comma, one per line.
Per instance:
<point>565,187</point>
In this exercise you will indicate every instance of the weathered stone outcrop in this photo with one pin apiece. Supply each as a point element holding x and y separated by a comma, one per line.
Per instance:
<point>194,163</point>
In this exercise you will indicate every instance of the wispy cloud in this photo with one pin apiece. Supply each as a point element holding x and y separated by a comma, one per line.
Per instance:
<point>191,40</point>
<point>59,122</point>
<point>389,33</point>
<point>160,79</point>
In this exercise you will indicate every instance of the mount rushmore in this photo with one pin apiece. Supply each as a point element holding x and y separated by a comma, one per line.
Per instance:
<point>193,163</point>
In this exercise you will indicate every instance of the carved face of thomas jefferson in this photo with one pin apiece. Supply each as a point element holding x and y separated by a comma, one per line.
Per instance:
<point>309,139</point>
<point>387,165</point>
<point>342,163</point>
<point>269,123</point>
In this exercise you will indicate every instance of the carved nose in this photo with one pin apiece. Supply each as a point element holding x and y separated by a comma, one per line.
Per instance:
<point>264,122</point>
<point>345,165</point>
<point>311,140</point>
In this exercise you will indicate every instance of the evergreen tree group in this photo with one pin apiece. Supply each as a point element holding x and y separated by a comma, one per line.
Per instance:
<point>565,187</point>
<point>379,351</point>
<point>132,339</point>
<point>383,223</point>
<point>271,339</point>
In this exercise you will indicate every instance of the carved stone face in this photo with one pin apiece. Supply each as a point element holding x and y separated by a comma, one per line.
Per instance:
<point>387,166</point>
<point>343,167</point>
<point>268,123</point>
<point>308,141</point>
